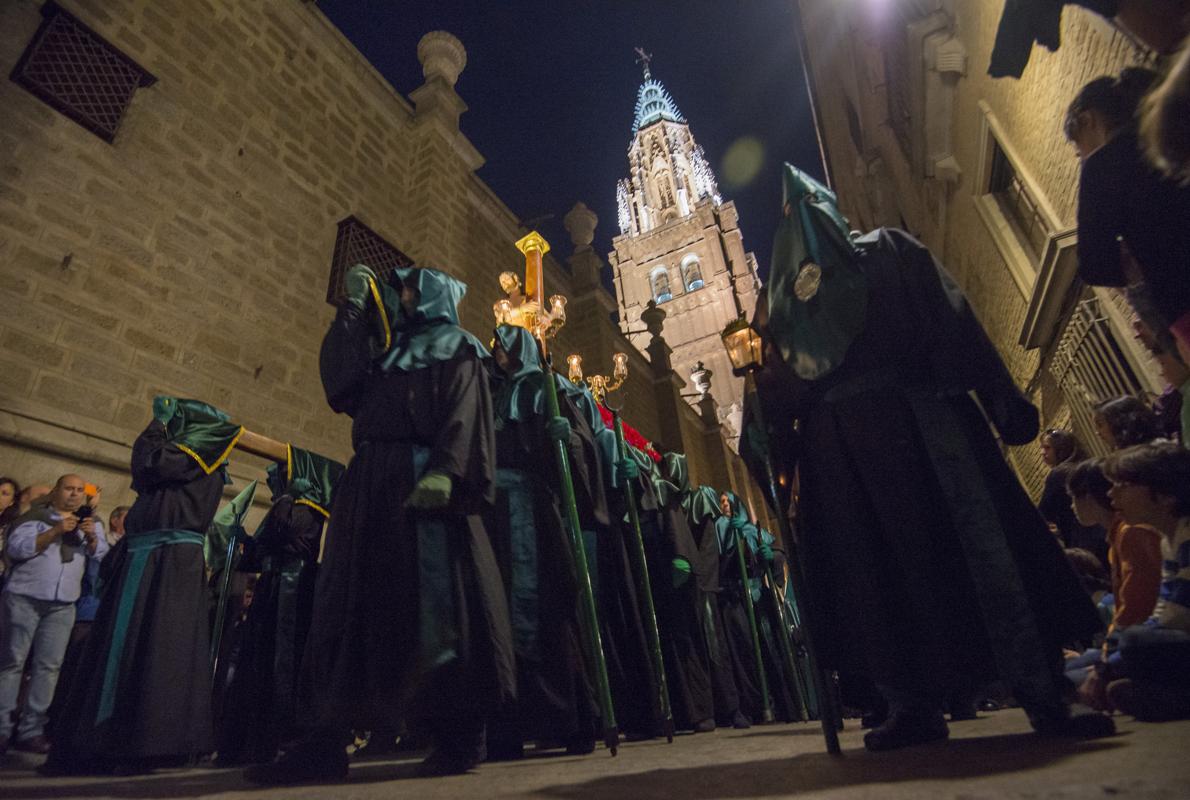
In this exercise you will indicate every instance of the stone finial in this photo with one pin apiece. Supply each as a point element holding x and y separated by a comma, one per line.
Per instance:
<point>441,55</point>
<point>700,376</point>
<point>653,318</point>
<point>580,223</point>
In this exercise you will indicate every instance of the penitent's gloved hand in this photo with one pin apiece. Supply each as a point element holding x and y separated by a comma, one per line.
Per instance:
<point>557,429</point>
<point>355,285</point>
<point>432,491</point>
<point>626,470</point>
<point>680,573</point>
<point>766,551</point>
<point>163,408</point>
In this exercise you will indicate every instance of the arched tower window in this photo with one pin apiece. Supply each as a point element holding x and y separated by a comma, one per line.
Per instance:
<point>692,273</point>
<point>659,280</point>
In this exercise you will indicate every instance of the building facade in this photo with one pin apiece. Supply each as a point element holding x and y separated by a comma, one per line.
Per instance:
<point>182,184</point>
<point>918,136</point>
<point>680,247</point>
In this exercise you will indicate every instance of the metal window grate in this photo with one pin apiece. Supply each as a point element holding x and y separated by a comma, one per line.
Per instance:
<point>1090,367</point>
<point>356,243</point>
<point>77,72</point>
<point>1018,204</point>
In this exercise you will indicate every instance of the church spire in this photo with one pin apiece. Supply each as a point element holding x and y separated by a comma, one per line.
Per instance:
<point>669,172</point>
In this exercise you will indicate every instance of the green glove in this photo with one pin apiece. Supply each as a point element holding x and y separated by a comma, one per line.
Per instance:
<point>681,572</point>
<point>557,429</point>
<point>432,491</point>
<point>355,285</point>
<point>766,551</point>
<point>627,470</point>
<point>164,408</point>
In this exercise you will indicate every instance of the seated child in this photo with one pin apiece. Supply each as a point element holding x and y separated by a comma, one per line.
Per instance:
<point>1149,674</point>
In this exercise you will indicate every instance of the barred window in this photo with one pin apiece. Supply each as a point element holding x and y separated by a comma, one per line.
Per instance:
<point>1017,203</point>
<point>77,72</point>
<point>356,243</point>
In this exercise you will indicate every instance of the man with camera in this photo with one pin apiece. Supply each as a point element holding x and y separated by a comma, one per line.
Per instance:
<point>48,547</point>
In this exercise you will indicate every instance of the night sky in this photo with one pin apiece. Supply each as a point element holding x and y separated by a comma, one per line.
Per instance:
<point>551,86</point>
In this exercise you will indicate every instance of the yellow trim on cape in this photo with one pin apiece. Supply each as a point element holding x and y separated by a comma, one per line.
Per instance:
<point>223,456</point>
<point>288,463</point>
<point>312,505</point>
<point>388,333</point>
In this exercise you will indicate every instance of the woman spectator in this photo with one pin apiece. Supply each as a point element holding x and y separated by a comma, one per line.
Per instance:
<point>1132,229</point>
<point>1061,451</point>
<point>1126,421</point>
<point>10,490</point>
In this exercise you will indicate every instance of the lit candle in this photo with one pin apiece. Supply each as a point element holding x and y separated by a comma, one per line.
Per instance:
<point>576,367</point>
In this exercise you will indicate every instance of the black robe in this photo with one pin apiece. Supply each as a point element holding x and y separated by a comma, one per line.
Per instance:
<point>555,699</point>
<point>705,570</point>
<point>410,620</point>
<point>927,563</point>
<point>162,696</point>
<point>684,648</point>
<point>260,700</point>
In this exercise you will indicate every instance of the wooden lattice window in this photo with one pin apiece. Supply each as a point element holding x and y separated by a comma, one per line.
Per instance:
<point>356,243</point>
<point>79,73</point>
<point>1018,204</point>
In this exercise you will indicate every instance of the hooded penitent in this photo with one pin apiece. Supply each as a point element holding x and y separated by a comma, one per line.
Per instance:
<point>429,334</point>
<point>308,477</point>
<point>198,429</point>
<point>817,294</point>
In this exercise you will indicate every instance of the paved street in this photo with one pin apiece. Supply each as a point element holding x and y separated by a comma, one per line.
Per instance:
<point>992,757</point>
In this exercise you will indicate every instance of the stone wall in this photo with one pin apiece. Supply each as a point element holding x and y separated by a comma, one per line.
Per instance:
<point>191,256</point>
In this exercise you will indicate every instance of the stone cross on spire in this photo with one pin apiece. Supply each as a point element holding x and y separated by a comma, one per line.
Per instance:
<point>643,59</point>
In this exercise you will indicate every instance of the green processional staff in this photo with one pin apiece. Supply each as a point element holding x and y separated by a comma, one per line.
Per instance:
<point>222,543</point>
<point>664,712</point>
<point>529,311</point>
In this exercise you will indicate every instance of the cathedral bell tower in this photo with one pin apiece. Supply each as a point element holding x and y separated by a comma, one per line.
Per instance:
<point>680,247</point>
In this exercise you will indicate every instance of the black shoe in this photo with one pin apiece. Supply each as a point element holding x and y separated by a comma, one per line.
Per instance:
<point>963,712</point>
<point>705,726</point>
<point>499,750</point>
<point>874,719</point>
<point>904,729</point>
<point>309,762</point>
<point>1073,722</point>
<point>439,763</point>
<point>580,745</point>
<point>740,721</point>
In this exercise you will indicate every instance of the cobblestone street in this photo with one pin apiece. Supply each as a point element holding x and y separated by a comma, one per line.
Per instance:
<point>993,757</point>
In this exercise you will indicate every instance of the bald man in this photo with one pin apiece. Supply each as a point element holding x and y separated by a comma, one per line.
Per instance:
<point>49,547</point>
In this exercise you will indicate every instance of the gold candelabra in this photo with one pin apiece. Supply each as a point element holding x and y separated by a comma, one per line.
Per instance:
<point>599,385</point>
<point>524,307</point>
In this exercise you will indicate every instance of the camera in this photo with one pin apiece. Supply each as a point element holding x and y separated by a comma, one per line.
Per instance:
<point>74,538</point>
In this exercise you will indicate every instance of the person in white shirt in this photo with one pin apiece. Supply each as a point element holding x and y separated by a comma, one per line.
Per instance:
<point>48,548</point>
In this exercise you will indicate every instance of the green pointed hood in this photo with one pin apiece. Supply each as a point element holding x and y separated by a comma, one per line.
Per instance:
<point>198,429</point>
<point>817,294</point>
<point>227,524</point>
<point>520,393</point>
<point>702,504</point>
<point>309,478</point>
<point>673,478</point>
<point>430,334</point>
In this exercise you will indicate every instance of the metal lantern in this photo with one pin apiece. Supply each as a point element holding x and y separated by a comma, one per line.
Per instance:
<point>744,347</point>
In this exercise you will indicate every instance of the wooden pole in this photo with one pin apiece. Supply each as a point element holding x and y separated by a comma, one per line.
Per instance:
<point>260,445</point>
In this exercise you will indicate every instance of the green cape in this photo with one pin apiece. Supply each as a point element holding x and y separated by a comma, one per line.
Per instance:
<point>813,332</point>
<point>430,334</point>
<point>198,429</point>
<point>308,478</point>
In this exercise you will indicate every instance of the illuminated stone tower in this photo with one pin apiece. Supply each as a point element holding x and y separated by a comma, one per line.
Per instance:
<point>679,246</point>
